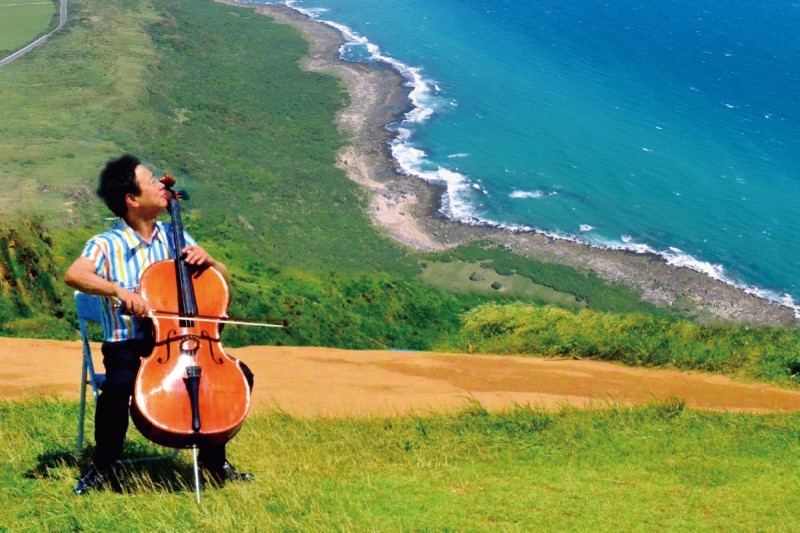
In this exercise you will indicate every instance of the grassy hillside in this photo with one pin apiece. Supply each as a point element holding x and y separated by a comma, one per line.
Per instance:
<point>31,298</point>
<point>64,109</point>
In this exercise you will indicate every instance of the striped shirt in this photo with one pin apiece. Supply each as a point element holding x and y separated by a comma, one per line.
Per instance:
<point>120,255</point>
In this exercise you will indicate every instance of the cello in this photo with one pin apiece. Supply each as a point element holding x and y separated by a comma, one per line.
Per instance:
<point>188,392</point>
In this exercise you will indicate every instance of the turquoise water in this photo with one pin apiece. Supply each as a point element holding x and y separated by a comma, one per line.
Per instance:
<point>671,128</point>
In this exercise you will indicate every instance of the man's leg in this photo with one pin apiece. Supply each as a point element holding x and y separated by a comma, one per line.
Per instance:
<point>121,361</point>
<point>213,457</point>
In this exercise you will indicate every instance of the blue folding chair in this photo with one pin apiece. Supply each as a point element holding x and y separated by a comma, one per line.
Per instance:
<point>89,310</point>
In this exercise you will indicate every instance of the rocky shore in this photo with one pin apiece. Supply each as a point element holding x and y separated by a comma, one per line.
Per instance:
<point>407,207</point>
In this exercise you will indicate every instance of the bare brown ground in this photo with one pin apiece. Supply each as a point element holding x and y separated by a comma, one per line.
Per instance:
<point>307,382</point>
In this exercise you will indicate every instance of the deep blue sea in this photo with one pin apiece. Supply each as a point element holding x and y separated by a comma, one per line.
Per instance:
<point>671,127</point>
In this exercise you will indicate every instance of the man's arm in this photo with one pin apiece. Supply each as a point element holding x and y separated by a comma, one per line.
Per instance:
<point>82,276</point>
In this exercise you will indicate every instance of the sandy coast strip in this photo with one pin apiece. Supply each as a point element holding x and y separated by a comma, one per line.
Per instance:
<point>407,207</point>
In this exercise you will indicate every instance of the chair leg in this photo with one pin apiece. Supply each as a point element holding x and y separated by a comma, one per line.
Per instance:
<point>81,410</point>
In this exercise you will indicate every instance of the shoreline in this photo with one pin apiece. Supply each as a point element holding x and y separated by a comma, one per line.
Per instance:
<point>407,207</point>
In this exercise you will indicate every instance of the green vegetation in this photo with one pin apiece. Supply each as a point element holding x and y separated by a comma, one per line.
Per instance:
<point>192,87</point>
<point>66,105</point>
<point>482,278</point>
<point>31,299</point>
<point>254,137</point>
<point>23,21</point>
<point>756,352</point>
<point>349,311</point>
<point>585,286</point>
<point>657,467</point>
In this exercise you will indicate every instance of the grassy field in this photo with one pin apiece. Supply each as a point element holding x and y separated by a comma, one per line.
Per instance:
<point>62,108</point>
<point>660,467</point>
<point>482,278</point>
<point>22,21</point>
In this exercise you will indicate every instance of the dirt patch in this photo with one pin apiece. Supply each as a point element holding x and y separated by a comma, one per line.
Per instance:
<point>308,382</point>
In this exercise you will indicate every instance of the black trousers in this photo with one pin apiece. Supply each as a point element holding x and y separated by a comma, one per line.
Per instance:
<point>121,361</point>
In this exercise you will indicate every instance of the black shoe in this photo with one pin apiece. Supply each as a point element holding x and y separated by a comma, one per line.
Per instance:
<point>96,479</point>
<point>231,474</point>
<point>227,473</point>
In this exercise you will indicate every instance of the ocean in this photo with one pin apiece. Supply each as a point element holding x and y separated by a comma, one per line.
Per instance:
<point>670,127</point>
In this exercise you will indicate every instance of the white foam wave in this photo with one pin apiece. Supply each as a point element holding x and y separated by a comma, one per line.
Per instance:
<point>536,195</point>
<point>526,194</point>
<point>677,257</point>
<point>422,89</point>
<point>459,199</point>
<point>452,156</point>
<point>420,86</point>
<point>586,227</point>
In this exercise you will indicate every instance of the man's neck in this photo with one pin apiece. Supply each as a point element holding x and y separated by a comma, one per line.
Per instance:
<point>143,227</point>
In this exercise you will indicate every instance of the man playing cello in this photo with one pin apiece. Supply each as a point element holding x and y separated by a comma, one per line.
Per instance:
<point>111,266</point>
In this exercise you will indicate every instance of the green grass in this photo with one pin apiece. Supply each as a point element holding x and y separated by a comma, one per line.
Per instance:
<point>63,108</point>
<point>212,93</point>
<point>751,352</point>
<point>255,138</point>
<point>588,288</point>
<point>620,469</point>
<point>23,21</point>
<point>481,278</point>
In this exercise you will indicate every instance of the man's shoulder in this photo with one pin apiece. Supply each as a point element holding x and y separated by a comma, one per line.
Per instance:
<point>113,233</point>
<point>112,237</point>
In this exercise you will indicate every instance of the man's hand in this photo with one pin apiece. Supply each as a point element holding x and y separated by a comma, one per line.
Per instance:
<point>132,302</point>
<point>195,255</point>
<point>81,275</point>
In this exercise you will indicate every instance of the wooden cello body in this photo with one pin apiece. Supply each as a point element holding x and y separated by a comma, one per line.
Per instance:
<point>188,392</point>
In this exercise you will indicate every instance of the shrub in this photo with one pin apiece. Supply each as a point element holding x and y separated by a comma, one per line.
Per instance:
<point>765,352</point>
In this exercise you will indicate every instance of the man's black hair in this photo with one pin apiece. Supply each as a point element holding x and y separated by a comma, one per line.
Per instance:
<point>117,180</point>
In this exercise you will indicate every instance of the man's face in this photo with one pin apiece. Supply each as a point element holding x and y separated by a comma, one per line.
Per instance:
<point>153,194</point>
